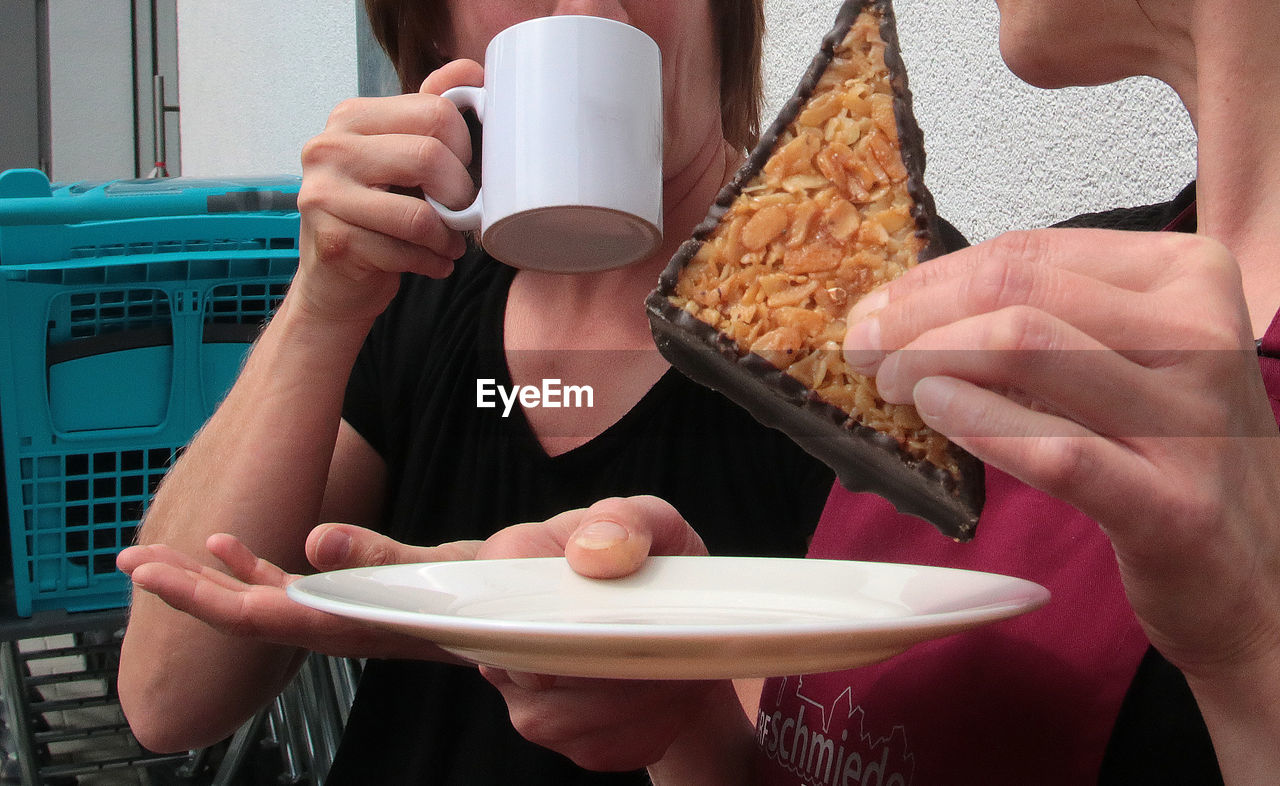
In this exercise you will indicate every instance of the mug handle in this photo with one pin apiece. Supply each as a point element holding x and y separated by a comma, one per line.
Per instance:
<point>469,217</point>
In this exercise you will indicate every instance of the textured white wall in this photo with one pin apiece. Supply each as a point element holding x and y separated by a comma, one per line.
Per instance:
<point>257,78</point>
<point>1001,154</point>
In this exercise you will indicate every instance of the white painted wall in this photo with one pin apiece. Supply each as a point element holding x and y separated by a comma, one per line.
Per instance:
<point>258,78</point>
<point>91,89</point>
<point>1001,154</point>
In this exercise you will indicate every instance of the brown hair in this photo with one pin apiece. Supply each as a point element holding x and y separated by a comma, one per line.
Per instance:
<point>410,31</point>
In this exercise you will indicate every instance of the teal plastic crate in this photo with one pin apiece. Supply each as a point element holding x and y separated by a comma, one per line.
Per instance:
<point>126,310</point>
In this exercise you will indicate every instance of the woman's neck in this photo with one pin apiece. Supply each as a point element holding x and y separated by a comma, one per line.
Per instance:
<point>1233,92</point>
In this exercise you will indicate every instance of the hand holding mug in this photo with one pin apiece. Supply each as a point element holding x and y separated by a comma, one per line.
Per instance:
<point>358,233</point>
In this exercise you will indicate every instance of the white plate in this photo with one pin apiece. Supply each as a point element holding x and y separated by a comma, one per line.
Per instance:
<point>677,618</point>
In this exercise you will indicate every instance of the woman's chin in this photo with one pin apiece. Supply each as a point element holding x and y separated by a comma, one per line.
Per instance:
<point>1050,67</point>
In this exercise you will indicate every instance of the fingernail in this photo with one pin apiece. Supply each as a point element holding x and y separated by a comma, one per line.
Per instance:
<point>862,348</point>
<point>139,579</point>
<point>932,397</point>
<point>333,547</point>
<point>600,535</point>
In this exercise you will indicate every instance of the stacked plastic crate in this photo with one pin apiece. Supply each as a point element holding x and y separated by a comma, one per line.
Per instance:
<point>126,309</point>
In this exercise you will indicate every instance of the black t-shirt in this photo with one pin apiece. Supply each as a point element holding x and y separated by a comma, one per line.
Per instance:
<point>460,471</point>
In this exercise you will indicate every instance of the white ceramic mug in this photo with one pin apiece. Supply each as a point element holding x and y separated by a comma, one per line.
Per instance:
<point>571,163</point>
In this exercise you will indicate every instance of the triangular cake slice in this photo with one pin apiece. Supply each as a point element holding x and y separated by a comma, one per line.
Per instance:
<point>829,205</point>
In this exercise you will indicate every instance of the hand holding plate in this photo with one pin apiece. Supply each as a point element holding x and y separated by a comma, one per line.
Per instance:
<point>602,724</point>
<point>249,600</point>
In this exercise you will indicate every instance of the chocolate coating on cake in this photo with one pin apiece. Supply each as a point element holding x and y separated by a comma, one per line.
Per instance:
<point>863,458</point>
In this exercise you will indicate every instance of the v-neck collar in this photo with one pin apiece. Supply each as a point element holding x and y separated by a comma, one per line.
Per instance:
<point>493,364</point>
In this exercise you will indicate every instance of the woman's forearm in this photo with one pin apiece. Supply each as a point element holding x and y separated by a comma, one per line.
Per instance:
<point>716,750</point>
<point>258,469</point>
<point>264,456</point>
<point>1242,712</point>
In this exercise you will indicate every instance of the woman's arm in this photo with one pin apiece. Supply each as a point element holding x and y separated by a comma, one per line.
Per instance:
<point>258,469</point>
<point>274,459</point>
<point>1239,703</point>
<point>716,748</point>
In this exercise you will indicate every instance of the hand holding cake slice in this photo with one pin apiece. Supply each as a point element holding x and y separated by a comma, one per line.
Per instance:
<point>829,205</point>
